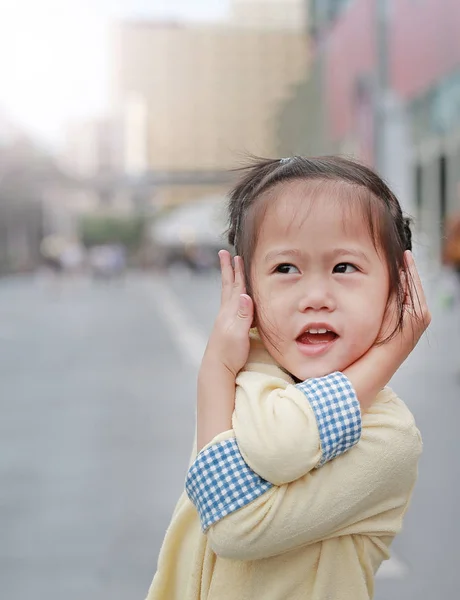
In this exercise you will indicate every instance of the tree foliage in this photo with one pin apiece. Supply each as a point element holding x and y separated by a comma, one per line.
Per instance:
<point>101,229</point>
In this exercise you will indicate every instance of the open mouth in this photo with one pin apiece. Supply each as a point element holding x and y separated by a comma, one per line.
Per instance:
<point>317,336</point>
<point>315,341</point>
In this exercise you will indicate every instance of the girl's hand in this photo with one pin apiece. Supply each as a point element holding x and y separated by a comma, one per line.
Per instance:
<point>226,354</point>
<point>229,340</point>
<point>373,371</point>
<point>417,317</point>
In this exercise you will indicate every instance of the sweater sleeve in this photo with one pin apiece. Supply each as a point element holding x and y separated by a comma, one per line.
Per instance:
<point>283,431</point>
<point>364,491</point>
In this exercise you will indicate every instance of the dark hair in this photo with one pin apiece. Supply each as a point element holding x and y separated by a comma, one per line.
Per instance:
<point>389,229</point>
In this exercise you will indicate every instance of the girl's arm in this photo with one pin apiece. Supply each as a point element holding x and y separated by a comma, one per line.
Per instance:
<point>363,492</point>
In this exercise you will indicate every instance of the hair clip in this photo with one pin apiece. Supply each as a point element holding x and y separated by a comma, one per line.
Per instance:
<point>285,160</point>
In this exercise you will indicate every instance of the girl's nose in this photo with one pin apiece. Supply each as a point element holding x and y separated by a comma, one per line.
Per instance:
<point>317,296</point>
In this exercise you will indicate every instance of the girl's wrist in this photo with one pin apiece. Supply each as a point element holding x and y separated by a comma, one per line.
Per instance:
<point>215,400</point>
<point>372,372</point>
<point>212,363</point>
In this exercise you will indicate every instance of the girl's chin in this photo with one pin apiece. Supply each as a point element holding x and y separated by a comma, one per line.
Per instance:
<point>312,375</point>
<point>308,368</point>
<point>314,371</point>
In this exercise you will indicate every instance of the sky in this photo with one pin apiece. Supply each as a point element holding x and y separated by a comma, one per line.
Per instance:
<point>54,54</point>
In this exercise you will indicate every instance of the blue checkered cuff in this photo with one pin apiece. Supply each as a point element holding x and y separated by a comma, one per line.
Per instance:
<point>337,411</point>
<point>219,482</point>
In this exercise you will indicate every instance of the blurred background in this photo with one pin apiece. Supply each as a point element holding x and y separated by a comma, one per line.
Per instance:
<point>120,124</point>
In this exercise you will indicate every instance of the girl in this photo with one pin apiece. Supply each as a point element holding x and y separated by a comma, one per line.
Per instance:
<point>306,461</point>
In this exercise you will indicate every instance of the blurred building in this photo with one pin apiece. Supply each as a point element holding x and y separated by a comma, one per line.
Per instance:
<point>28,177</point>
<point>269,14</point>
<point>20,215</point>
<point>9,130</point>
<point>84,155</point>
<point>196,99</point>
<point>90,146</point>
<point>90,156</point>
<point>385,87</point>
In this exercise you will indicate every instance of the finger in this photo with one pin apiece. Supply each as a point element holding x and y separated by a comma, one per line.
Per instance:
<point>227,275</point>
<point>245,310</point>
<point>240,283</point>
<point>414,287</point>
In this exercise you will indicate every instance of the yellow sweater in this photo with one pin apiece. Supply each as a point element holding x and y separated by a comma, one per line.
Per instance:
<point>313,531</point>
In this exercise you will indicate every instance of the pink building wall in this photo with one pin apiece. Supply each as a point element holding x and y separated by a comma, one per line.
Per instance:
<point>424,46</point>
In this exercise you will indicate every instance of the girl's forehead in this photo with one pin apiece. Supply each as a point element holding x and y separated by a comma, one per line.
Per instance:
<point>302,204</point>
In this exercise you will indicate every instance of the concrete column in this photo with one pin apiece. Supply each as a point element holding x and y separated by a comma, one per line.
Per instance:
<point>397,160</point>
<point>430,210</point>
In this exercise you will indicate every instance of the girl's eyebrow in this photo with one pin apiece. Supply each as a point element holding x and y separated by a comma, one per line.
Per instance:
<point>350,252</point>
<point>288,252</point>
<point>295,253</point>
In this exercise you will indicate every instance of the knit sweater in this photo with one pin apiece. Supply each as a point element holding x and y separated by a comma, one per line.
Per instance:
<point>301,499</point>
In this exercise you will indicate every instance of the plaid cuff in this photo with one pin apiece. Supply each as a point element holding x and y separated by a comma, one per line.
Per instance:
<point>337,411</point>
<point>219,482</point>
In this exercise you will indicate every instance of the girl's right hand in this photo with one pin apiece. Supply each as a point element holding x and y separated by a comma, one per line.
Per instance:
<point>228,343</point>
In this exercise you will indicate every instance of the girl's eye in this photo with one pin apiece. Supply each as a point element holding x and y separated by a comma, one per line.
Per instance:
<point>344,268</point>
<point>286,269</point>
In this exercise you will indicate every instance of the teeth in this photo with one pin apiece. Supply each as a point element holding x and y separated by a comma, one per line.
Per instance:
<point>317,330</point>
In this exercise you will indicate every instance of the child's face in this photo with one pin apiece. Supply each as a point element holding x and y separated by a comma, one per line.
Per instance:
<point>314,268</point>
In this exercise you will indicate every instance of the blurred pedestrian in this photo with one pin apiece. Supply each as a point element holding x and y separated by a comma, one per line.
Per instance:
<point>51,249</point>
<point>305,462</point>
<point>72,260</point>
<point>107,261</point>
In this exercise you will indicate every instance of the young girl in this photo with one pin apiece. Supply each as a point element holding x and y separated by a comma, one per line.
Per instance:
<point>305,461</point>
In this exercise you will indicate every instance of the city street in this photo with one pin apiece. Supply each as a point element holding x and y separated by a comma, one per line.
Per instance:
<point>97,403</point>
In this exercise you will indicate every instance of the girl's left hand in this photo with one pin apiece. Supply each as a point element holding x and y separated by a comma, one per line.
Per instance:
<point>229,340</point>
<point>417,316</point>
